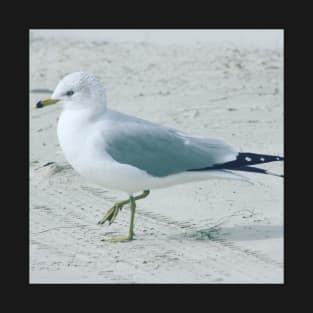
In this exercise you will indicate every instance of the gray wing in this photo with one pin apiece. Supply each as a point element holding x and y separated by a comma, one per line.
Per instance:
<point>164,151</point>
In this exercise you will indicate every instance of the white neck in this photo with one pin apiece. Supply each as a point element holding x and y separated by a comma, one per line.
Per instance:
<point>72,131</point>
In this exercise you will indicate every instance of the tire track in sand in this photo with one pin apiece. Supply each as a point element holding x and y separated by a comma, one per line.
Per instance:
<point>65,236</point>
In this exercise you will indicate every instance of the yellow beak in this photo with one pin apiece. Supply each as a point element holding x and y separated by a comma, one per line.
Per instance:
<point>44,102</point>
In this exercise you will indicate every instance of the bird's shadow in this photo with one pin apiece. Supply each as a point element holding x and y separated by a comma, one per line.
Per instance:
<point>234,233</point>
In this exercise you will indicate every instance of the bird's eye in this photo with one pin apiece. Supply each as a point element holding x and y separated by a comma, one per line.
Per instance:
<point>70,93</point>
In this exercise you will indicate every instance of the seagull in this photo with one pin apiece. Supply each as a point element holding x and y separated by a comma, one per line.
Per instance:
<point>133,155</point>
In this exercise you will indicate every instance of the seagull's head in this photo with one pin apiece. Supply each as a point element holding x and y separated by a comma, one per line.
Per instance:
<point>76,91</point>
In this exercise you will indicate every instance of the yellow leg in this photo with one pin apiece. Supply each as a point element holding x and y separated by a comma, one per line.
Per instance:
<point>131,226</point>
<point>110,216</point>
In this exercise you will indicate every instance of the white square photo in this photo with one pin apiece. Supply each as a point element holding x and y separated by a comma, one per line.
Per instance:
<point>156,156</point>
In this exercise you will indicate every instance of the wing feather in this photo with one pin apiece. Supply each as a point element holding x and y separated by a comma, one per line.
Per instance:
<point>162,151</point>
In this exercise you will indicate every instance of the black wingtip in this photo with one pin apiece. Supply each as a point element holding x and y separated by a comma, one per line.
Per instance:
<point>247,159</point>
<point>244,161</point>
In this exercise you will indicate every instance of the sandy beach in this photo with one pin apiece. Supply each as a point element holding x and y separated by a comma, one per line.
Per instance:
<point>216,231</point>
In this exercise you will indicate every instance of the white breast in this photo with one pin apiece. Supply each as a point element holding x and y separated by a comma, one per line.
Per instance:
<point>72,134</point>
<point>79,140</point>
